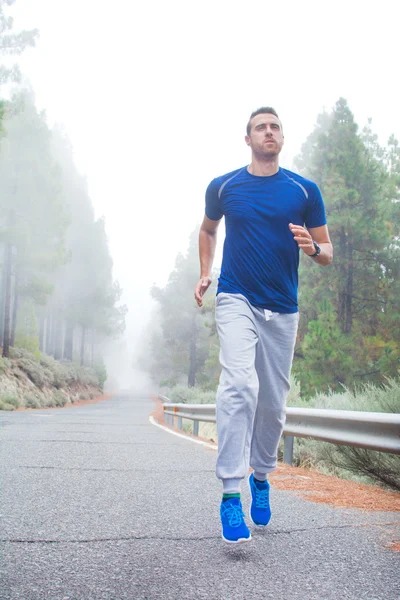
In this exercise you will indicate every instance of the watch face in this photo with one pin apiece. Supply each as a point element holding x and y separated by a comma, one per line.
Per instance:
<point>317,249</point>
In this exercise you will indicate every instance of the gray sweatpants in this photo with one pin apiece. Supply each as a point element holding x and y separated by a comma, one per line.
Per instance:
<point>256,353</point>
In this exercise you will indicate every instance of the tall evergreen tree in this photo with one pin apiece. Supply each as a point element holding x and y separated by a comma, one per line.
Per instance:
<point>12,43</point>
<point>344,312</point>
<point>55,254</point>
<point>34,220</point>
<point>183,336</point>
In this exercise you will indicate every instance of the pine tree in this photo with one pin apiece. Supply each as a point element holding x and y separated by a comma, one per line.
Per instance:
<point>12,43</point>
<point>182,336</point>
<point>359,192</point>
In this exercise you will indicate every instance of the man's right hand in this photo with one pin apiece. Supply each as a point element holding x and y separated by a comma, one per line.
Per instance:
<point>201,289</point>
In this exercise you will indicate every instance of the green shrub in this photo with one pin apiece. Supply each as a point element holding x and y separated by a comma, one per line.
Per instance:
<point>5,364</point>
<point>294,397</point>
<point>87,376</point>
<point>35,372</point>
<point>186,395</point>
<point>345,461</point>
<point>84,396</point>
<point>70,370</point>
<point>101,374</point>
<point>60,399</point>
<point>366,398</point>
<point>59,375</point>
<point>380,467</point>
<point>76,374</point>
<point>31,401</point>
<point>5,406</point>
<point>58,371</point>
<point>18,353</point>
<point>11,400</point>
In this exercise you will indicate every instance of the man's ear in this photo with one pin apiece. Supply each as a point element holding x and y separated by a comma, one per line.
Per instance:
<point>247,140</point>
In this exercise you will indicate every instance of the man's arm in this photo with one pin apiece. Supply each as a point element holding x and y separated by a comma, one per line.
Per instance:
<point>305,237</point>
<point>207,244</point>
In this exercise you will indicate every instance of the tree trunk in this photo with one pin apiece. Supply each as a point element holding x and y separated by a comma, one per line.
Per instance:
<point>349,291</point>
<point>193,355</point>
<point>58,340</point>
<point>42,333</point>
<point>3,295</point>
<point>7,300</point>
<point>54,332</point>
<point>83,346</point>
<point>92,341</point>
<point>14,313</point>
<point>343,278</point>
<point>49,333</point>
<point>69,341</point>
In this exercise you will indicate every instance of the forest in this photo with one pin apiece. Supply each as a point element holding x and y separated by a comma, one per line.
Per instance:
<point>349,332</point>
<point>347,354</point>
<point>57,293</point>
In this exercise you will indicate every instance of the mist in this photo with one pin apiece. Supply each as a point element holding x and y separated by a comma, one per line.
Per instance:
<point>154,100</point>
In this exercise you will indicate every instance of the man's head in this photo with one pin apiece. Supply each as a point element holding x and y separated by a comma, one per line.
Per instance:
<point>264,133</point>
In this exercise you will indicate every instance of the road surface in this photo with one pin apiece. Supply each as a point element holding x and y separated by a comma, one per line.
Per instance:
<point>97,503</point>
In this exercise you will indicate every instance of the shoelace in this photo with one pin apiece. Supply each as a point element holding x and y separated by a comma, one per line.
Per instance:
<point>234,514</point>
<point>262,498</point>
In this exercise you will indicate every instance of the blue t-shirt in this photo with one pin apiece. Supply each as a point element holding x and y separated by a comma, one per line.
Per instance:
<point>260,257</point>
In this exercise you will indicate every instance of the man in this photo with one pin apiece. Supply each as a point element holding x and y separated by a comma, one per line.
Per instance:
<point>270,215</point>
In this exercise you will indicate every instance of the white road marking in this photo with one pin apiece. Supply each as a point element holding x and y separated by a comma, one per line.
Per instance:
<point>181,435</point>
<point>42,415</point>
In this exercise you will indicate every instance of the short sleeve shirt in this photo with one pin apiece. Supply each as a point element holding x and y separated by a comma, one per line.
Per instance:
<point>260,257</point>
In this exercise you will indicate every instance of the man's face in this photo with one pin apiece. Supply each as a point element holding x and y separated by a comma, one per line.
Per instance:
<point>266,137</point>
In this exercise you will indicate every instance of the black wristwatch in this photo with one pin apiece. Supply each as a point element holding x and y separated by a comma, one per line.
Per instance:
<point>317,250</point>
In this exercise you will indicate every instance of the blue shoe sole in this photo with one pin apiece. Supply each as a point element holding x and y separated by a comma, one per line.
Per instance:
<point>251,518</point>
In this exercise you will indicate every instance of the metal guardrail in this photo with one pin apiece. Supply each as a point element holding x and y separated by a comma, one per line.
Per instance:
<point>375,431</point>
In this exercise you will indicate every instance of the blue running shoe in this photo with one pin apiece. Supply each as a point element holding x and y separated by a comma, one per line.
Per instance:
<point>260,511</point>
<point>234,529</point>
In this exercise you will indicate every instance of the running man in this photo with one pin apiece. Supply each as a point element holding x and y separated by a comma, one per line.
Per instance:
<point>270,215</point>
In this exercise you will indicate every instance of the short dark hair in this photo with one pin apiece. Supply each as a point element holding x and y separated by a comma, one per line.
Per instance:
<point>260,111</point>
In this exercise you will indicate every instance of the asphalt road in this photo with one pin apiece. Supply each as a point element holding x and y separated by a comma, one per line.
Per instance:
<point>98,503</point>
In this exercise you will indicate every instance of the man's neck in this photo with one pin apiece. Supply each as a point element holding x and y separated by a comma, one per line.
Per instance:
<point>264,168</point>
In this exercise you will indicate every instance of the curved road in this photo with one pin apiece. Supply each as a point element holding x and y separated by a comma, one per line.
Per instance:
<point>98,503</point>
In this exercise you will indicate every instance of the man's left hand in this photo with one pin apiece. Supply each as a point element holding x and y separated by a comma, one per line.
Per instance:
<point>303,239</point>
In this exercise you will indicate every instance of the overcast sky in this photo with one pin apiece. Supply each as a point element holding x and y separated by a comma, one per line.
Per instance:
<point>155,97</point>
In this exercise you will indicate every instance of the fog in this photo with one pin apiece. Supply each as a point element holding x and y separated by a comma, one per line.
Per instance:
<point>155,98</point>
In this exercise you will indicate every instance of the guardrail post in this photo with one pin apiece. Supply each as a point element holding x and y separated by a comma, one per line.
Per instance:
<point>179,422</point>
<point>195,428</point>
<point>288,449</point>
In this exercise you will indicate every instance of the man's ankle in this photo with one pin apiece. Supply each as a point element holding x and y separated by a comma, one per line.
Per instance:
<point>260,477</point>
